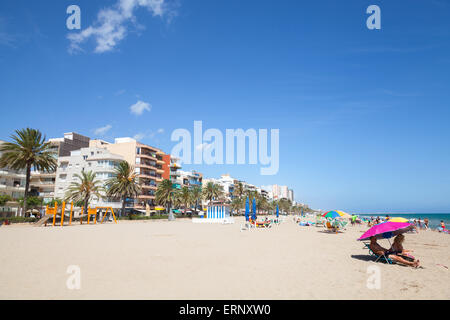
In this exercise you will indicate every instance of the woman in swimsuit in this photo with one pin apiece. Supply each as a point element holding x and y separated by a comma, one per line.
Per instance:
<point>398,251</point>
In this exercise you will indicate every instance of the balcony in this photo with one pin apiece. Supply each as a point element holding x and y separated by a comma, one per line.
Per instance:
<point>12,174</point>
<point>11,188</point>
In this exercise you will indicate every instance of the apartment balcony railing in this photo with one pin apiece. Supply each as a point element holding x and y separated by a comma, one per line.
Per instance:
<point>12,174</point>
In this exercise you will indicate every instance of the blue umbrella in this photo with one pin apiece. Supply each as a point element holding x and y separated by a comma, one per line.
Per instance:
<point>302,212</point>
<point>254,210</point>
<point>247,210</point>
<point>278,212</point>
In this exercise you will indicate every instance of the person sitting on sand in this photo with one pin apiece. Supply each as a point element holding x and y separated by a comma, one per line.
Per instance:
<point>379,250</point>
<point>442,228</point>
<point>397,249</point>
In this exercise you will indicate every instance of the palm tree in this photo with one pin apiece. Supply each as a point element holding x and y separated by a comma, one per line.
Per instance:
<point>29,150</point>
<point>237,204</point>
<point>239,190</point>
<point>196,193</point>
<point>261,202</point>
<point>185,197</point>
<point>165,196</point>
<point>212,191</point>
<point>84,189</point>
<point>124,184</point>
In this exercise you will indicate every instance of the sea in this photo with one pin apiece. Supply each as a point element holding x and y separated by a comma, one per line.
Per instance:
<point>434,218</point>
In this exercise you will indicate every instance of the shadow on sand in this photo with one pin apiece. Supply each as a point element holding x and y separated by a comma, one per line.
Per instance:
<point>363,257</point>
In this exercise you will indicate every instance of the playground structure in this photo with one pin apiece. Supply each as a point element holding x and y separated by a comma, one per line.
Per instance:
<point>53,212</point>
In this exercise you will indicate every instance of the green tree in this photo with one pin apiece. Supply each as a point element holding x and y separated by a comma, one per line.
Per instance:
<point>124,184</point>
<point>196,193</point>
<point>51,203</point>
<point>239,190</point>
<point>165,196</point>
<point>184,196</point>
<point>212,191</point>
<point>4,199</point>
<point>84,189</point>
<point>28,151</point>
<point>237,204</point>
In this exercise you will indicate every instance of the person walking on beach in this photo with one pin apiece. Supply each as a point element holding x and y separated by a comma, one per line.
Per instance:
<point>426,222</point>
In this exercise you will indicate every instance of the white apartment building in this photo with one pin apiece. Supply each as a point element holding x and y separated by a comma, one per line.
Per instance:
<point>12,182</point>
<point>98,160</point>
<point>187,178</point>
<point>42,184</point>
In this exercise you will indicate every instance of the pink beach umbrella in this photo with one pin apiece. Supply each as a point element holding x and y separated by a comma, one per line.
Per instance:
<point>386,230</point>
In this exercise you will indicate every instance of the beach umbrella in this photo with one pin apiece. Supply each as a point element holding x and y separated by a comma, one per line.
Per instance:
<point>398,219</point>
<point>254,210</point>
<point>278,211</point>
<point>247,210</point>
<point>386,230</point>
<point>302,212</point>
<point>336,214</point>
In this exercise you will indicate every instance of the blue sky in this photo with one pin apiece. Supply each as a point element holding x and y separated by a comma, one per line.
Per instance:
<point>363,114</point>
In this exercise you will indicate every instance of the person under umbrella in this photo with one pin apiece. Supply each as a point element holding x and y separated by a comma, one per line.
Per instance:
<point>388,230</point>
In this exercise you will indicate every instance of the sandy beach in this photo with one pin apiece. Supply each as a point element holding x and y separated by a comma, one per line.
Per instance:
<point>182,260</point>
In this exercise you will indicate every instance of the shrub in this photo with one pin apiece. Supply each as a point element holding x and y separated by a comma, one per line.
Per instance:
<point>19,220</point>
<point>4,199</point>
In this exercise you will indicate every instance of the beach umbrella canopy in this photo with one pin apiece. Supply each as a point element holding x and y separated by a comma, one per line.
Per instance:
<point>398,219</point>
<point>336,214</point>
<point>278,211</point>
<point>386,230</point>
<point>254,210</point>
<point>247,210</point>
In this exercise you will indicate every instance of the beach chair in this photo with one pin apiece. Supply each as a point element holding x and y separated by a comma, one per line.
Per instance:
<point>381,258</point>
<point>330,228</point>
<point>343,225</point>
<point>320,222</point>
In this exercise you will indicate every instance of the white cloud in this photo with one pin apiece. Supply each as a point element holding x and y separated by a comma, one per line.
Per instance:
<point>103,130</point>
<point>139,107</point>
<point>161,131</point>
<point>139,136</point>
<point>111,25</point>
